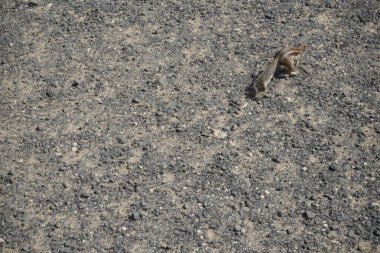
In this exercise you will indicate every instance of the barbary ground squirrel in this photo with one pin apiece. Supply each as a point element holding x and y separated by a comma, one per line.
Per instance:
<point>286,57</point>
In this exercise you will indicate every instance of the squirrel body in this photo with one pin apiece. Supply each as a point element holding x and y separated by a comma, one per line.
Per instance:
<point>286,57</point>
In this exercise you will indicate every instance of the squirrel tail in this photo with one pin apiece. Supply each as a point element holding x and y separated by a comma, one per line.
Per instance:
<point>266,75</point>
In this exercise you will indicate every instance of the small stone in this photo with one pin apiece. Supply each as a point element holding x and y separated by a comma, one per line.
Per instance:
<point>75,84</point>
<point>332,167</point>
<point>276,160</point>
<point>65,250</point>
<point>50,94</point>
<point>227,128</point>
<point>330,4</point>
<point>186,206</point>
<point>180,128</point>
<point>307,69</point>
<point>268,16</point>
<point>351,233</point>
<point>136,100</point>
<point>310,126</point>
<point>290,231</point>
<point>162,80</point>
<point>310,215</point>
<point>124,228</point>
<point>32,3</point>
<point>121,140</point>
<point>85,195</point>
<point>164,245</point>
<point>134,216</point>
<point>219,134</point>
<point>362,246</point>
<point>234,127</point>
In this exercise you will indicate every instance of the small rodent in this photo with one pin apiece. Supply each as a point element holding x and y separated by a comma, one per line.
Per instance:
<point>286,57</point>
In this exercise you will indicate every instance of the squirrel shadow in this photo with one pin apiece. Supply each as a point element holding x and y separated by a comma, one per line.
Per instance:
<point>251,92</point>
<point>281,73</point>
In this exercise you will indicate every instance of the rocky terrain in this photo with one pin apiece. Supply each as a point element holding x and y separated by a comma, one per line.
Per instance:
<point>132,126</point>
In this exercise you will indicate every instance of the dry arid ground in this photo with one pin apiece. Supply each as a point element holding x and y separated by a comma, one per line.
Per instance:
<point>132,126</point>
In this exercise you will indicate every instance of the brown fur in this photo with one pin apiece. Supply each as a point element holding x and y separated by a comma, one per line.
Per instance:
<point>286,57</point>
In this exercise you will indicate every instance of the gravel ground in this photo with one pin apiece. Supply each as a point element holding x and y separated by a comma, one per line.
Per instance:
<point>130,126</point>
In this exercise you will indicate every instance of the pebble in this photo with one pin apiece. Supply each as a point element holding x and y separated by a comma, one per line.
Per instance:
<point>310,215</point>
<point>219,134</point>
<point>32,3</point>
<point>268,16</point>
<point>332,167</point>
<point>85,195</point>
<point>290,231</point>
<point>362,246</point>
<point>135,216</point>
<point>121,140</point>
<point>234,127</point>
<point>238,228</point>
<point>351,233</point>
<point>164,245</point>
<point>65,250</point>
<point>180,128</point>
<point>276,160</point>
<point>75,147</point>
<point>75,84</point>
